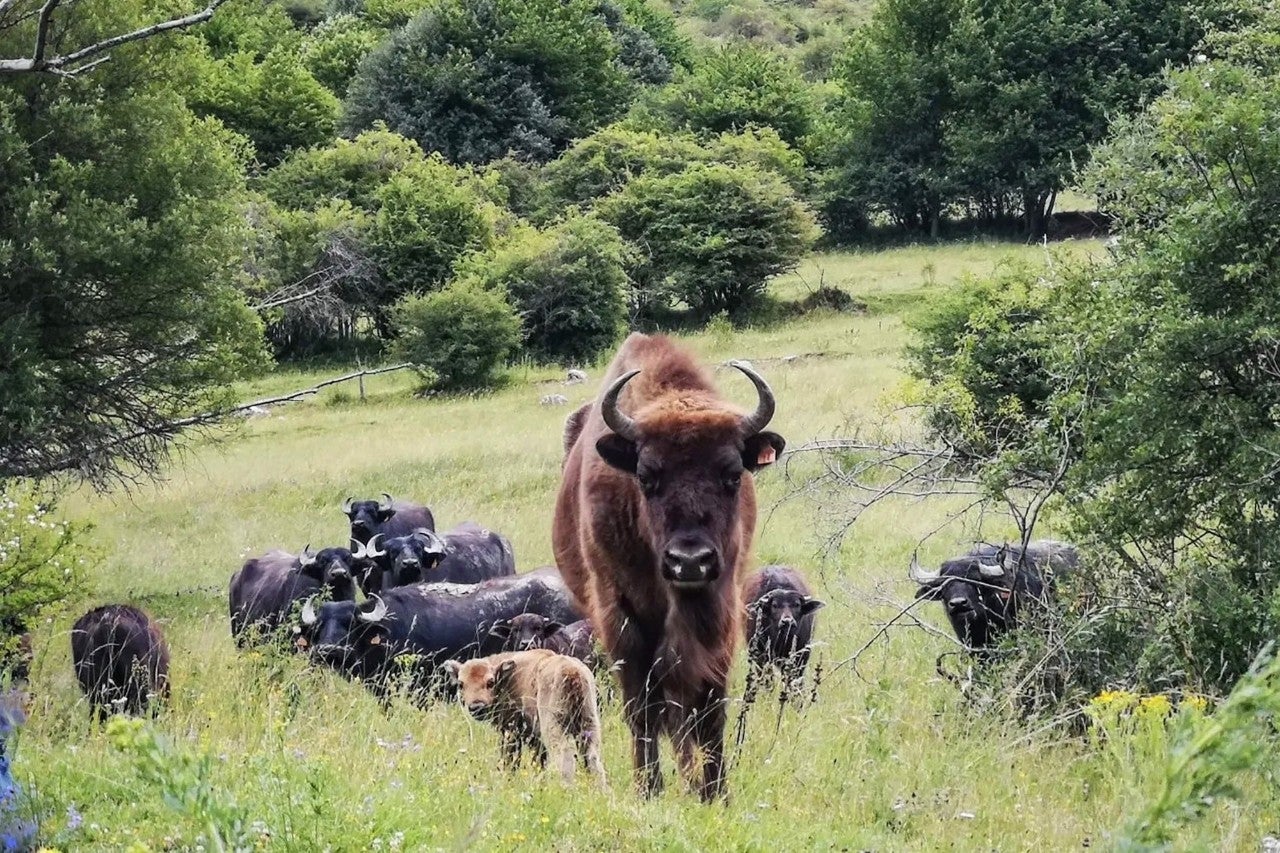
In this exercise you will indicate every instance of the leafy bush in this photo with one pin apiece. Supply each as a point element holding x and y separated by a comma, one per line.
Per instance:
<point>474,80</point>
<point>731,89</point>
<point>458,338</point>
<point>351,170</point>
<point>569,285</point>
<point>41,566</point>
<point>712,235</point>
<point>333,51</point>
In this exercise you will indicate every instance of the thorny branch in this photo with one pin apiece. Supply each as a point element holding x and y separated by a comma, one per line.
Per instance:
<point>82,60</point>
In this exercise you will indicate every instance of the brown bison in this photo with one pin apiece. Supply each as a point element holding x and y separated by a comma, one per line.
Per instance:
<point>653,523</point>
<point>121,660</point>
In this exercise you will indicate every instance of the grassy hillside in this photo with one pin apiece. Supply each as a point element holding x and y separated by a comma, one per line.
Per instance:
<point>889,758</point>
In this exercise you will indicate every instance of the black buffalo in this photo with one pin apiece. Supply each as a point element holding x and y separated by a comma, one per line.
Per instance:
<point>466,554</point>
<point>265,588</point>
<point>781,612</point>
<point>532,631</point>
<point>426,624</point>
<point>389,517</point>
<point>121,660</point>
<point>984,591</point>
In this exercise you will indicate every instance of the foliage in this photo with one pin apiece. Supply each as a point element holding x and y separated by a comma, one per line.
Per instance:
<point>41,566</point>
<point>733,88</point>
<point>351,170</point>
<point>457,338</point>
<point>662,29</point>
<point>568,284</point>
<point>474,80</point>
<point>1159,428</point>
<point>123,231</point>
<point>711,235</point>
<point>333,51</point>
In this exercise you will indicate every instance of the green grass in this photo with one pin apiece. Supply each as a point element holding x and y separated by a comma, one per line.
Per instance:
<point>888,759</point>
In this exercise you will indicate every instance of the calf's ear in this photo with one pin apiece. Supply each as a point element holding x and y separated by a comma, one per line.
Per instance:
<point>501,629</point>
<point>550,628</point>
<point>762,449</point>
<point>506,668</point>
<point>810,605</point>
<point>451,668</point>
<point>619,452</point>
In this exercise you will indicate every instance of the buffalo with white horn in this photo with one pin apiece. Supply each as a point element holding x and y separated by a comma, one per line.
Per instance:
<point>389,517</point>
<point>468,553</point>
<point>265,588</point>
<point>984,591</point>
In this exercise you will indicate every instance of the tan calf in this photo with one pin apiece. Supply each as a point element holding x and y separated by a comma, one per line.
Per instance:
<point>539,698</point>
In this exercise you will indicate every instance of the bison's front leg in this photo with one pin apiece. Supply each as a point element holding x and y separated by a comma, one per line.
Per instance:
<point>708,733</point>
<point>643,709</point>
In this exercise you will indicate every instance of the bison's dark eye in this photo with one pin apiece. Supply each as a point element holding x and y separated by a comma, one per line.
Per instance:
<point>489,682</point>
<point>732,481</point>
<point>649,482</point>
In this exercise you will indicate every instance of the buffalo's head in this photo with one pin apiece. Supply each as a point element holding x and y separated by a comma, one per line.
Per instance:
<point>368,516</point>
<point>779,611</point>
<point>410,559</point>
<point>333,568</point>
<point>976,591</point>
<point>348,637</point>
<point>480,682</point>
<point>524,632</point>
<point>688,455</point>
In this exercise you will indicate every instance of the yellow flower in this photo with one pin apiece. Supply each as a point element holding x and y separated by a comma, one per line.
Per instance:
<point>1194,701</point>
<point>1157,705</point>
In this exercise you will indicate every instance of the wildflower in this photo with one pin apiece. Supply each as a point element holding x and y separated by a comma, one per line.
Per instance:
<point>74,818</point>
<point>1156,705</point>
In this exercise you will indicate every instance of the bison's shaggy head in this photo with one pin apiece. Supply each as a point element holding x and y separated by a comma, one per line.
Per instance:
<point>480,682</point>
<point>688,452</point>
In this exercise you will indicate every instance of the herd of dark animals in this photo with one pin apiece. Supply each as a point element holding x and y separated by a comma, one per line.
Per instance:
<point>652,532</point>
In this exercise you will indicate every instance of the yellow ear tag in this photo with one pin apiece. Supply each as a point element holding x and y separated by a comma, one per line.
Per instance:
<point>375,640</point>
<point>767,455</point>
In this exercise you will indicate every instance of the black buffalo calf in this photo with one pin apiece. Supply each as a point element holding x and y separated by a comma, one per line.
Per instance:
<point>121,660</point>
<point>779,628</point>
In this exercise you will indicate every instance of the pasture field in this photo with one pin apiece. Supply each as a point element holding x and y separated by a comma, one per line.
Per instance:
<point>889,758</point>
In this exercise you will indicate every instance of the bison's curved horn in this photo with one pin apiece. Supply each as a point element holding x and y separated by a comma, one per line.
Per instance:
<point>622,424</point>
<point>373,550</point>
<point>388,502</point>
<point>919,574</point>
<point>307,557</point>
<point>760,418</point>
<point>434,544</point>
<point>309,617</point>
<point>992,570</point>
<point>346,506</point>
<point>378,613</point>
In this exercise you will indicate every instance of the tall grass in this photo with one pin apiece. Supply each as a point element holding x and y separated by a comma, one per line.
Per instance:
<point>889,758</point>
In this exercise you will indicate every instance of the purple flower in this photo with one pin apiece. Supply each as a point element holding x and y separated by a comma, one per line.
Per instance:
<point>74,818</point>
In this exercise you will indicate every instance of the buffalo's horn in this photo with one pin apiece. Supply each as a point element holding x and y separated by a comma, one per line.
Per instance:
<point>759,419</point>
<point>919,574</point>
<point>991,570</point>
<point>346,506</point>
<point>622,424</point>
<point>373,550</point>
<point>388,502</point>
<point>309,617</point>
<point>307,558</point>
<point>359,552</point>
<point>435,545</point>
<point>378,613</point>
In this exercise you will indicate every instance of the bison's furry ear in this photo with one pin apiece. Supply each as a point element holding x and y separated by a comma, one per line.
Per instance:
<point>450,668</point>
<point>505,668</point>
<point>618,452</point>
<point>810,605</point>
<point>762,449</point>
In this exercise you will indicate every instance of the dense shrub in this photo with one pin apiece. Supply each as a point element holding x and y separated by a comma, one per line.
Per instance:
<point>1160,432</point>
<point>711,235</point>
<point>41,566</point>
<point>474,80</point>
<point>569,285</point>
<point>733,88</point>
<point>350,170</point>
<point>333,51</point>
<point>458,338</point>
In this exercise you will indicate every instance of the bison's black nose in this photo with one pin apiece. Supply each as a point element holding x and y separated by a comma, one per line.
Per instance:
<point>477,709</point>
<point>695,564</point>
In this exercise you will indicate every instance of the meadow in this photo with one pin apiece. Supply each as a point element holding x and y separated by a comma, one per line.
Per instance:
<point>889,757</point>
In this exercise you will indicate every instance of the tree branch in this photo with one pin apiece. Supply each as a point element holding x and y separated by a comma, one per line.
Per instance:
<point>65,65</point>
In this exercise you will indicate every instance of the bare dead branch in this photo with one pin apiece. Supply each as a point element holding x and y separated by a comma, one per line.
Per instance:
<point>70,64</point>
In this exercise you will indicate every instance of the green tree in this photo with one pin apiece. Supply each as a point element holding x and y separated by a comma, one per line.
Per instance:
<point>458,337</point>
<point>352,170</point>
<point>733,88</point>
<point>123,231</point>
<point>711,235</point>
<point>474,79</point>
<point>887,152</point>
<point>333,51</point>
<point>569,285</point>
